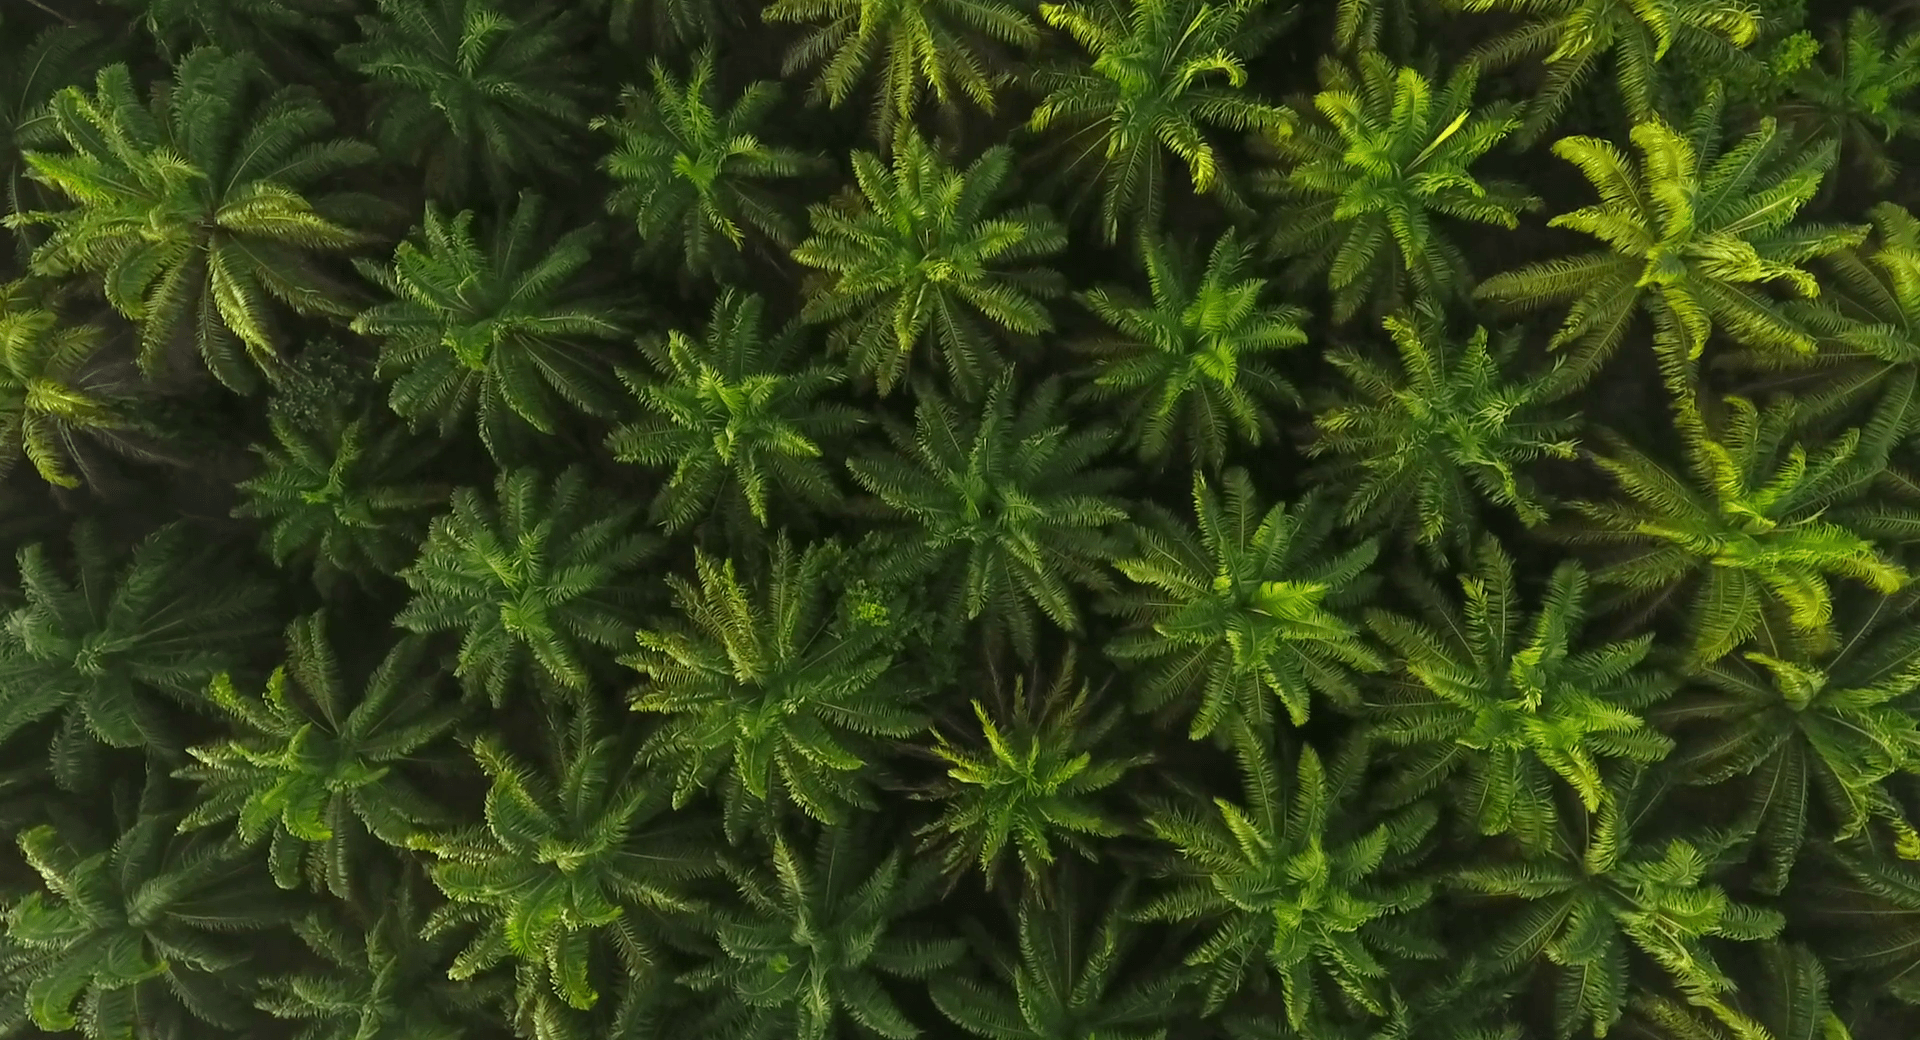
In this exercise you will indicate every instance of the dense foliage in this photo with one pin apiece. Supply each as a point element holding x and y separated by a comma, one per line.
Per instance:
<point>959,519</point>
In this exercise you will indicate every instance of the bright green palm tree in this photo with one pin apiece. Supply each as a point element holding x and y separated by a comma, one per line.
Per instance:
<point>314,770</point>
<point>499,327</point>
<point>1513,699</point>
<point>1242,606</point>
<point>920,256</point>
<point>471,91</point>
<point>1867,327</point>
<point>533,580</point>
<point>695,176</point>
<point>996,512</point>
<point>1188,364</point>
<point>766,688</point>
<point>1423,443</point>
<point>1370,183</point>
<point>1572,37</point>
<point>1692,235</point>
<point>1162,72</point>
<point>194,209</point>
<point>737,420</point>
<point>938,48</point>
<point>56,391</point>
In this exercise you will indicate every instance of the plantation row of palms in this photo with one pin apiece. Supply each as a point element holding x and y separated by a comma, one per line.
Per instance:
<point>1105,520</point>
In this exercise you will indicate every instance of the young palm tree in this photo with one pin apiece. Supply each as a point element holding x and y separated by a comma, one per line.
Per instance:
<point>192,207</point>
<point>1295,878</point>
<point>1858,94</point>
<point>1512,700</point>
<point>1161,73</point>
<point>1750,534</point>
<point>314,769</point>
<point>737,419</point>
<point>135,937</point>
<point>760,682</point>
<point>56,392</point>
<point>997,513</point>
<point>1423,446</point>
<point>574,855</point>
<point>1187,365</point>
<point>108,647</point>
<point>942,48</point>
<point>807,945</point>
<point>1034,784</point>
<point>498,327</point>
<point>1244,608</point>
<point>532,580</point>
<point>1370,181</point>
<point>696,177</point>
<point>921,256</point>
<point>1599,892</point>
<point>470,92</point>
<point>1572,36</point>
<point>1694,236</point>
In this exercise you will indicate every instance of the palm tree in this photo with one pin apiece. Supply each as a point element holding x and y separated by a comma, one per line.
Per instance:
<point>806,948</point>
<point>466,88</point>
<point>1512,699</point>
<point>1750,533</point>
<point>575,854</point>
<point>1858,94</point>
<point>191,208</point>
<point>1788,989</point>
<point>1296,878</point>
<point>272,29</point>
<point>1811,735</point>
<point>1187,365</point>
<point>106,648</point>
<point>1423,443</point>
<point>32,68</point>
<point>497,327</point>
<point>1599,892</point>
<point>1162,72</point>
<point>56,391</point>
<point>1572,36</point>
<point>1030,781</point>
<point>1694,236</point>
<point>1867,327</point>
<point>1383,164</point>
<point>922,255</point>
<point>735,418</point>
<point>532,580</point>
<point>1864,909</point>
<point>314,769</point>
<point>941,48</point>
<point>763,683</point>
<point>695,176</point>
<point>1068,980</point>
<point>997,513</point>
<point>1245,608</point>
<point>134,937</point>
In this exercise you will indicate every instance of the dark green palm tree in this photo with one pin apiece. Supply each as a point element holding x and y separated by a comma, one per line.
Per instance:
<point>765,689</point>
<point>272,29</point>
<point>1161,74</point>
<point>920,256</point>
<point>499,327</point>
<point>695,176</point>
<point>1866,324</point>
<point>469,92</point>
<point>313,769</point>
<point>201,207</point>
<point>1242,606</point>
<point>938,48</point>
<point>107,648</point>
<point>1188,365</point>
<point>997,512</point>
<point>533,580</point>
<point>33,66</point>
<point>737,420</point>
<point>805,947</point>
<point>1371,182</point>
<point>58,395</point>
<point>1858,94</point>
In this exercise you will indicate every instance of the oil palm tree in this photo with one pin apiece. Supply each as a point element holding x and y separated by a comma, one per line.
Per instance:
<point>921,255</point>
<point>1866,324</point>
<point>35,66</point>
<point>1858,93</point>
<point>200,207</point>
<point>58,395</point>
<point>1162,73</point>
<point>1187,365</point>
